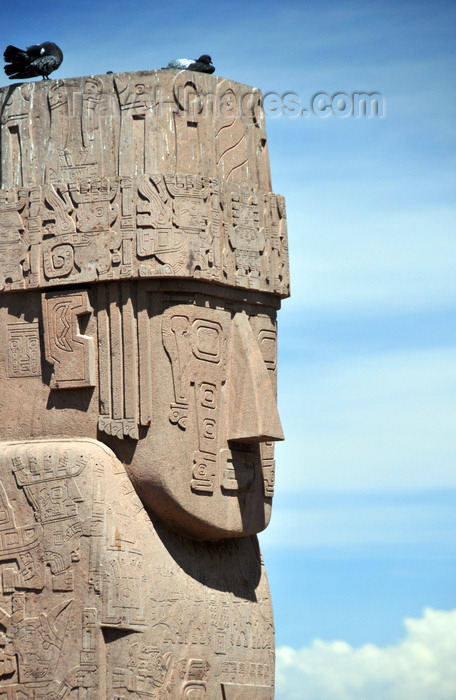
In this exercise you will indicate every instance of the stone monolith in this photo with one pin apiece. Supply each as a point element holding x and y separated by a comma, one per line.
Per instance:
<point>143,258</point>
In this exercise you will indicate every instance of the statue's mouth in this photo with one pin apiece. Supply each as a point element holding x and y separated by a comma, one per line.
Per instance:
<point>238,465</point>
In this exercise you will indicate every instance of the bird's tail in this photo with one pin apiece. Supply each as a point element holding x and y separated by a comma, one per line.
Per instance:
<point>14,55</point>
<point>12,70</point>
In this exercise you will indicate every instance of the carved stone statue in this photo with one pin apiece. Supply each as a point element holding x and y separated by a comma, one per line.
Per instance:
<point>143,258</point>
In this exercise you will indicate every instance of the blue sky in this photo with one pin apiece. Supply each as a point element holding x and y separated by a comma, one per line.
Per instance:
<point>361,549</point>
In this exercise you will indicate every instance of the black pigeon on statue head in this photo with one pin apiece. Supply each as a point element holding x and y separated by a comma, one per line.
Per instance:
<point>35,61</point>
<point>203,64</point>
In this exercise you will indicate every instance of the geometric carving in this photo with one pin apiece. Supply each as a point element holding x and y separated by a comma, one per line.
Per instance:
<point>118,355</point>
<point>13,242</point>
<point>231,136</point>
<point>268,346</point>
<point>148,226</point>
<point>153,219</point>
<point>148,671</point>
<point>24,358</point>
<point>70,352</point>
<point>239,466</point>
<point>247,238</point>
<point>188,124</point>
<point>19,544</point>
<point>268,468</point>
<point>137,106</point>
<point>195,341</point>
<point>36,641</point>
<point>79,243</point>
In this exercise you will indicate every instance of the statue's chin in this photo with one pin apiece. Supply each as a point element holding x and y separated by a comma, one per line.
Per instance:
<point>212,516</point>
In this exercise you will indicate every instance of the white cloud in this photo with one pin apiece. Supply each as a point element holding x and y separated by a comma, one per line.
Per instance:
<point>419,667</point>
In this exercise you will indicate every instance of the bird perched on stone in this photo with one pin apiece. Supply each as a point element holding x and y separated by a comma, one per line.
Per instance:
<point>36,60</point>
<point>203,64</point>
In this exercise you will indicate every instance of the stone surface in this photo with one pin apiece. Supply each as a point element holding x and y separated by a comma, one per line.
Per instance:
<point>143,258</point>
<point>147,175</point>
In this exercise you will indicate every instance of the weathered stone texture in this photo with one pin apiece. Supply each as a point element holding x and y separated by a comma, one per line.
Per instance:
<point>138,175</point>
<point>143,258</point>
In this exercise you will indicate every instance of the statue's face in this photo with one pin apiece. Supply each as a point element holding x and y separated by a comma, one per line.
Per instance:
<point>182,387</point>
<point>206,464</point>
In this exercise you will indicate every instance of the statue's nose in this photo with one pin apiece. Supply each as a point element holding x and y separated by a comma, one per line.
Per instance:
<point>253,414</point>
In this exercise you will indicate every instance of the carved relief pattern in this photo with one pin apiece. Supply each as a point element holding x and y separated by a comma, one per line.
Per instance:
<point>78,243</point>
<point>247,238</point>
<point>17,123</point>
<point>74,145</point>
<point>86,612</point>
<point>24,358</point>
<point>121,394</point>
<point>196,341</point>
<point>71,353</point>
<point>138,106</point>
<point>189,121</point>
<point>231,138</point>
<point>266,334</point>
<point>196,345</point>
<point>14,242</point>
<point>148,226</point>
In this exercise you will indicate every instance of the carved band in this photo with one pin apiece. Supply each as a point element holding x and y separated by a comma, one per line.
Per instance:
<point>184,226</point>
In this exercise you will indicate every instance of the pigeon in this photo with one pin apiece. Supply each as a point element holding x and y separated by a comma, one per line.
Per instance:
<point>36,60</point>
<point>203,64</point>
